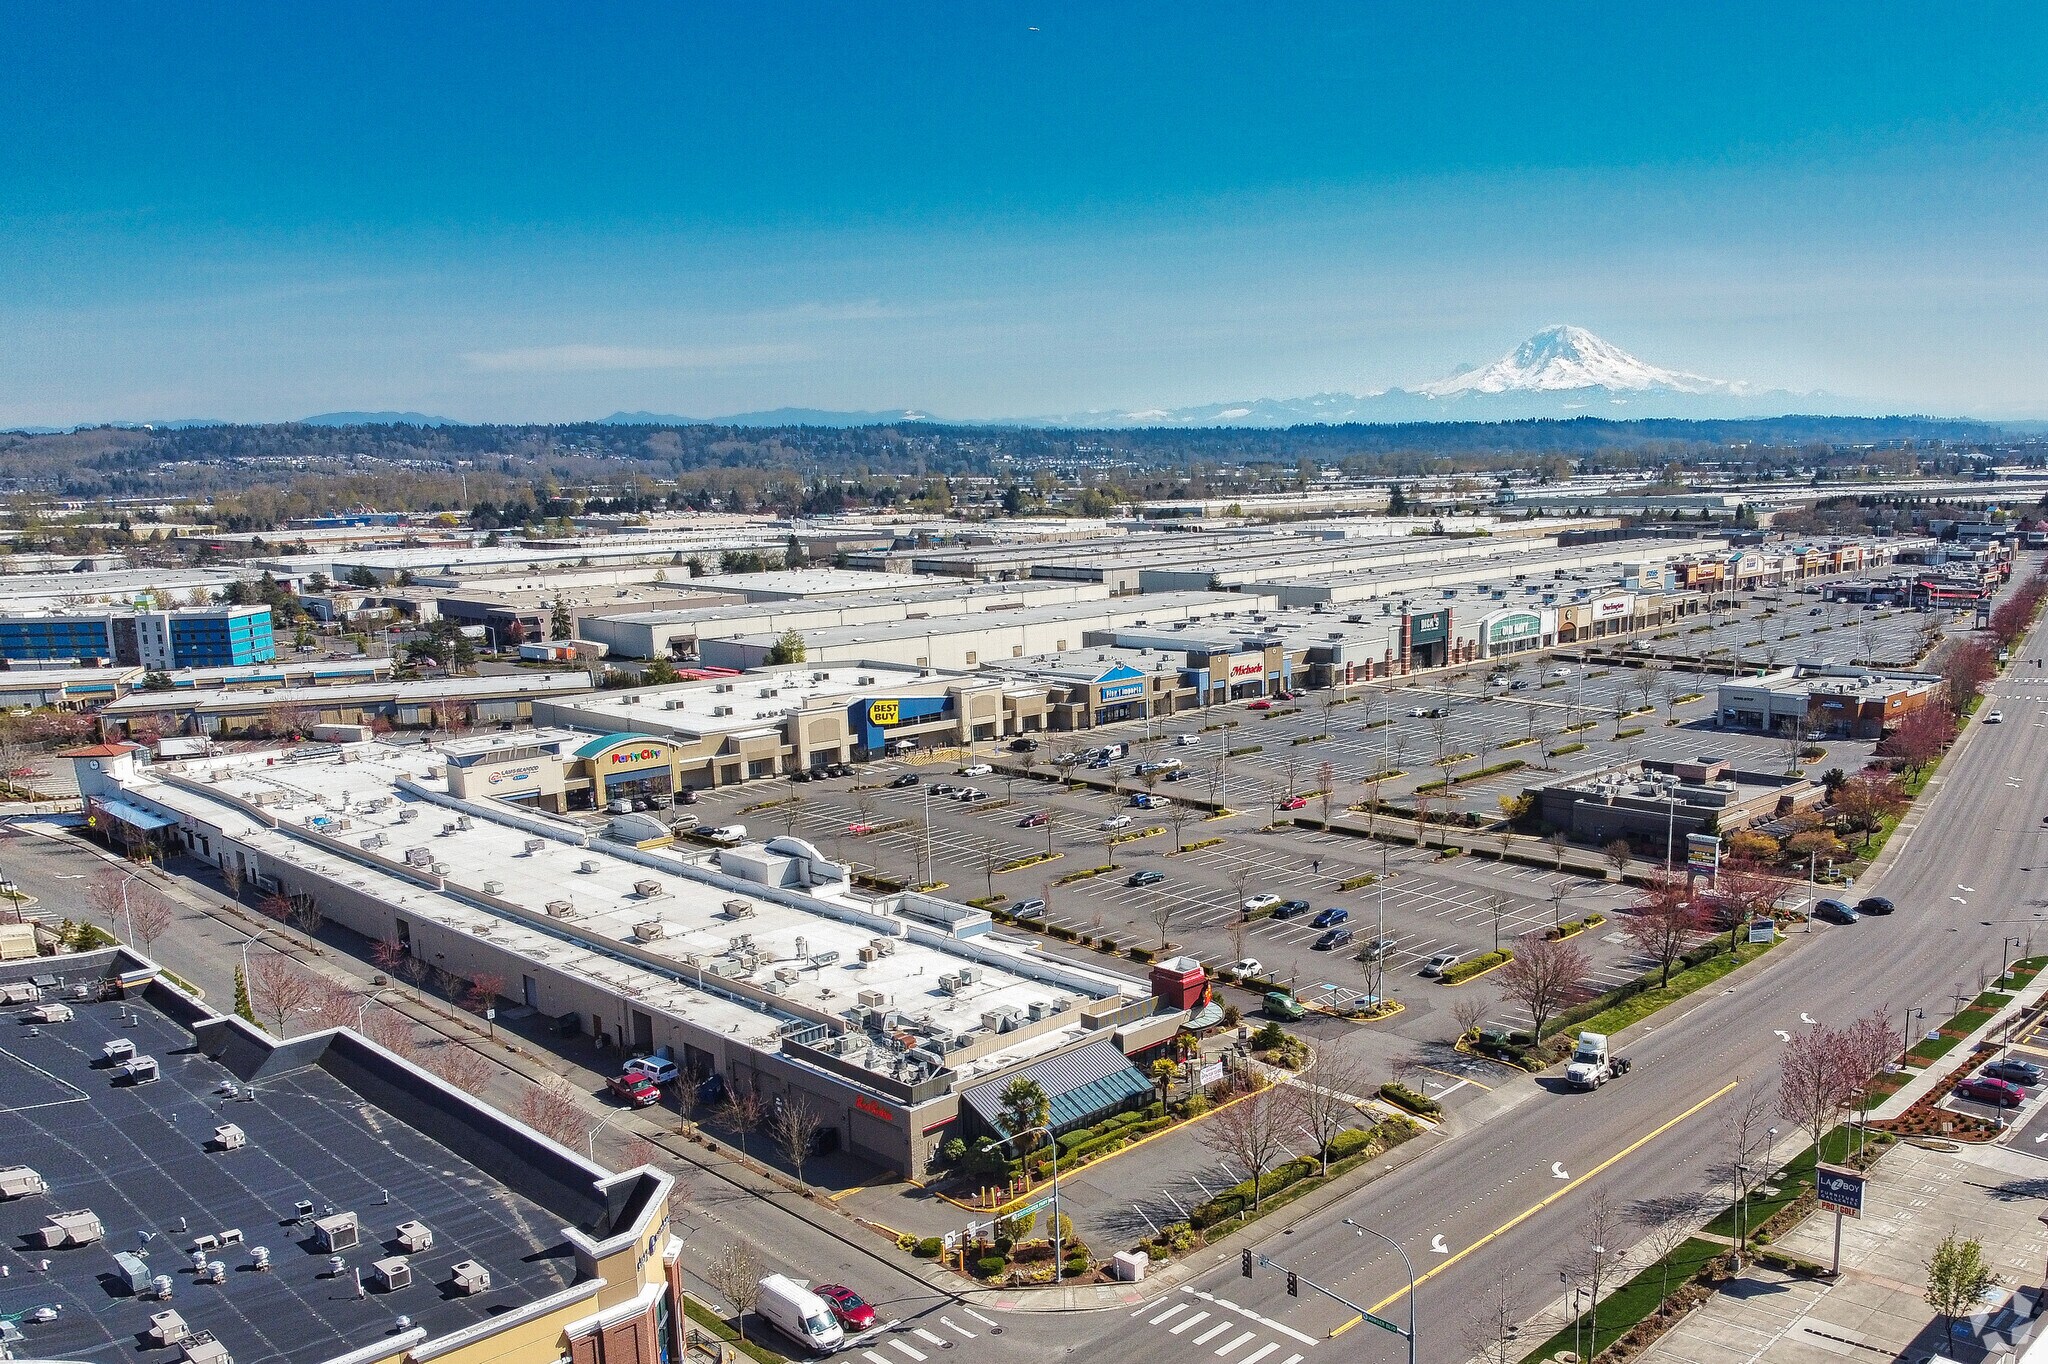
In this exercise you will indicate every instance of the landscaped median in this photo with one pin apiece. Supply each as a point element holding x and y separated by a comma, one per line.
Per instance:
<point>1083,874</point>
<point>1476,967</point>
<point>1572,927</point>
<point>1234,1207</point>
<point>1035,860</point>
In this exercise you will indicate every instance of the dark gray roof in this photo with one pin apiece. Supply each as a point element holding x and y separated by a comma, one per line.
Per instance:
<point>1080,1084</point>
<point>138,1158</point>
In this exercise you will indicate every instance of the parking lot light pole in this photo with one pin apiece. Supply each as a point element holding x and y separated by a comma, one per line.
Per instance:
<point>2005,957</point>
<point>1906,1033</point>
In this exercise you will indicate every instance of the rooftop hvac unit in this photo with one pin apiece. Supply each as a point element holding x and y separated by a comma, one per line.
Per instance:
<point>721,710</point>
<point>534,845</point>
<point>167,1327</point>
<point>374,842</point>
<point>493,887</point>
<point>788,975</point>
<point>740,942</point>
<point>968,975</point>
<point>79,1228</point>
<point>418,857</point>
<point>447,829</point>
<point>408,814</point>
<point>414,1237</point>
<point>884,947</point>
<point>649,931</point>
<point>559,909</point>
<point>19,1181</point>
<point>462,821</point>
<point>722,687</point>
<point>139,1070</point>
<point>927,1058</point>
<point>864,680</point>
<point>336,1232</point>
<point>133,1271</point>
<point>441,868</point>
<point>202,1348</point>
<point>771,691</point>
<point>739,909</point>
<point>229,1137</point>
<point>1002,1019</point>
<point>50,1013</point>
<point>868,956</point>
<point>826,958</point>
<point>874,999</point>
<point>774,987</point>
<point>588,866</point>
<point>647,890</point>
<point>950,984</point>
<point>118,1050</point>
<point>391,1273</point>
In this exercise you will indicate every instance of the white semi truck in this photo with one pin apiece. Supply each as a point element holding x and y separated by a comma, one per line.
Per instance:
<point>1591,1066</point>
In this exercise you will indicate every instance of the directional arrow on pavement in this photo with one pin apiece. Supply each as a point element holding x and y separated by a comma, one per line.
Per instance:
<point>1437,1247</point>
<point>1557,1170</point>
<point>1806,1018</point>
<point>1783,1036</point>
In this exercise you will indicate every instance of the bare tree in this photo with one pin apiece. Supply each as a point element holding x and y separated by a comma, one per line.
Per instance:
<point>461,1068</point>
<point>278,988</point>
<point>736,1273</point>
<point>1326,789</point>
<point>1597,1259</point>
<point>1665,922</point>
<point>1468,1013</point>
<point>1617,854</point>
<point>552,1109</point>
<point>796,1129</point>
<point>1557,841</point>
<point>1544,976</point>
<point>1240,877</point>
<point>392,1031</point>
<point>1177,816</point>
<point>1825,1069</point>
<point>1253,1131</point>
<point>105,893</point>
<point>231,876</point>
<point>744,1110</point>
<point>1668,1222</point>
<point>334,1003</point>
<point>1492,1327</point>
<point>149,914</point>
<point>1161,914</point>
<point>482,998</point>
<point>991,855</point>
<point>1326,1094</point>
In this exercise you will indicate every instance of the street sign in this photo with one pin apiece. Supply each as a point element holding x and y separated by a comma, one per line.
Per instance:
<point>1839,1191</point>
<point>1762,930</point>
<point>1384,1324</point>
<point>1703,853</point>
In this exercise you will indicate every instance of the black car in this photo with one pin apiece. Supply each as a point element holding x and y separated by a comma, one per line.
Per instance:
<point>907,779</point>
<point>803,774</point>
<point>1874,904</point>
<point>1329,918</point>
<point>1147,877</point>
<point>1835,912</point>
<point>1023,745</point>
<point>841,769</point>
<point>1332,940</point>
<point>1288,909</point>
<point>1179,774</point>
<point>2014,1071</point>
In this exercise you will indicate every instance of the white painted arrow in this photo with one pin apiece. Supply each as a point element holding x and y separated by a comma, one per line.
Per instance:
<point>1806,1018</point>
<point>1437,1247</point>
<point>1783,1036</point>
<point>1961,886</point>
<point>1557,1170</point>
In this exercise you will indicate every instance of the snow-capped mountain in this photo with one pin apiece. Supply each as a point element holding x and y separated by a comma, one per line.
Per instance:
<point>1561,359</point>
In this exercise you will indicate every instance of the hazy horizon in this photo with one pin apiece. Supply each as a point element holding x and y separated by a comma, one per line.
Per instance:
<point>261,213</point>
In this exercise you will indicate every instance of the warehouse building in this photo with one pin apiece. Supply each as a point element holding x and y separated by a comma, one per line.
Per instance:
<point>757,967</point>
<point>1655,805</point>
<point>182,1187</point>
<point>501,699</point>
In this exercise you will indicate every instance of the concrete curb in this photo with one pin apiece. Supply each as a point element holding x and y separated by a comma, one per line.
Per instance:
<point>1962,1055</point>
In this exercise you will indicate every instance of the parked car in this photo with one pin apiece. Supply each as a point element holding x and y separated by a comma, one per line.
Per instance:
<point>1330,918</point>
<point>1023,745</point>
<point>1440,963</point>
<point>854,1314</point>
<point>1835,912</point>
<point>1288,909</point>
<point>944,788</point>
<point>1179,774</point>
<point>803,774</point>
<point>907,779</point>
<point>634,1089</point>
<point>1186,740</point>
<point>1257,902</point>
<point>1519,684</point>
<point>1332,940</point>
<point>1994,717</point>
<point>687,796</point>
<point>1147,877</point>
<point>1027,909</point>
<point>1115,822</point>
<point>660,1069</point>
<point>976,770</point>
<point>1986,1089</point>
<point>1246,968</point>
<point>1261,704</point>
<point>1560,672</point>
<point>1377,948</point>
<point>860,828</point>
<point>1282,1004</point>
<point>972,793</point>
<point>1874,904</point>
<point>1037,819</point>
<point>1295,803</point>
<point>2014,1071</point>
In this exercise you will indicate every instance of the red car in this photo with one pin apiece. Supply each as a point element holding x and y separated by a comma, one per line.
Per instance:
<point>1985,1090</point>
<point>857,828</point>
<point>1261,704</point>
<point>1036,819</point>
<point>1295,803</point>
<point>855,1316</point>
<point>635,1089</point>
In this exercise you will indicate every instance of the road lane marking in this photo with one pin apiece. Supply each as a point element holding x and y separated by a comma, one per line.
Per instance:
<point>909,1350</point>
<point>874,1358</point>
<point>1226,1349</point>
<point>957,1328</point>
<point>1534,1208</point>
<point>927,1335</point>
<point>1214,1331</point>
<point>1187,1323</point>
<point>1256,1355</point>
<point>1177,1307</point>
<point>988,1321</point>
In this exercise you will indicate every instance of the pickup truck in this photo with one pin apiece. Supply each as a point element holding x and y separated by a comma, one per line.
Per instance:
<point>1591,1066</point>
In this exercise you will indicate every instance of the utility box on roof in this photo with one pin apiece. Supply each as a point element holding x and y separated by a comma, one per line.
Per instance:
<point>1179,982</point>
<point>20,1181</point>
<point>338,1232</point>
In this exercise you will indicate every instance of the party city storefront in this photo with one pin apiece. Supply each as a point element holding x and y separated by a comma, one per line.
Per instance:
<point>625,767</point>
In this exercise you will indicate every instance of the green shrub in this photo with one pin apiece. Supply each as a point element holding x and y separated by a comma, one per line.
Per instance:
<point>1351,1142</point>
<point>1563,749</point>
<point>1140,954</point>
<point>929,1248</point>
<point>988,1266</point>
<point>1394,1092</point>
<point>1465,970</point>
<point>1269,1037</point>
<point>906,1242</point>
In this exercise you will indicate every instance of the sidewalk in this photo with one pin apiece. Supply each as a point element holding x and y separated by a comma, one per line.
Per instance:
<point>1937,1073</point>
<point>1876,1308</point>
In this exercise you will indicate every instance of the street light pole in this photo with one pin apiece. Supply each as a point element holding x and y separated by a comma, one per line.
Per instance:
<point>1058,1257</point>
<point>1364,1230</point>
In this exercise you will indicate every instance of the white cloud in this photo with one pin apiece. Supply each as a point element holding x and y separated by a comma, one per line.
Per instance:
<point>585,358</point>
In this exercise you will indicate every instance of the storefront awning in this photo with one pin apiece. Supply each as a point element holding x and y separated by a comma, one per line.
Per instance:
<point>134,816</point>
<point>1081,1085</point>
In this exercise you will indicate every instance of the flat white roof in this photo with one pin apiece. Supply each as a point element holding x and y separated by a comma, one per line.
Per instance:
<point>757,700</point>
<point>431,689</point>
<point>809,582</point>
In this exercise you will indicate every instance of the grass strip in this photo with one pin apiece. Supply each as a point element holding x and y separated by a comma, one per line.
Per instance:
<point>1633,1302</point>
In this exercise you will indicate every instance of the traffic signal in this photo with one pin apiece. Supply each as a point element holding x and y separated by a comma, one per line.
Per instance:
<point>1293,1287</point>
<point>1244,1264</point>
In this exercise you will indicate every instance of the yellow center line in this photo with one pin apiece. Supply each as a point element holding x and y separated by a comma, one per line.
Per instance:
<point>1529,1212</point>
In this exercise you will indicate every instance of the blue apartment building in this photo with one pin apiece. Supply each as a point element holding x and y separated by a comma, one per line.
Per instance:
<point>190,637</point>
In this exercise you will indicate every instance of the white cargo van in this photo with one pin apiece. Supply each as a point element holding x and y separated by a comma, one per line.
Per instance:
<point>799,1314</point>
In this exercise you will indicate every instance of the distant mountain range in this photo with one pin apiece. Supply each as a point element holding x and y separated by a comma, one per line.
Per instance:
<point>1559,373</point>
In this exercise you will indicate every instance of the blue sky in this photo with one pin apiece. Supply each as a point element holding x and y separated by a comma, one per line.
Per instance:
<point>497,211</point>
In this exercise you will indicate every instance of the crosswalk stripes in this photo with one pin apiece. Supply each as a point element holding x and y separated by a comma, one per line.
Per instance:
<point>1227,1325</point>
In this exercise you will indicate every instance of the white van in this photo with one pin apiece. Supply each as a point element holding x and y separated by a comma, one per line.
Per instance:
<point>799,1314</point>
<point>729,834</point>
